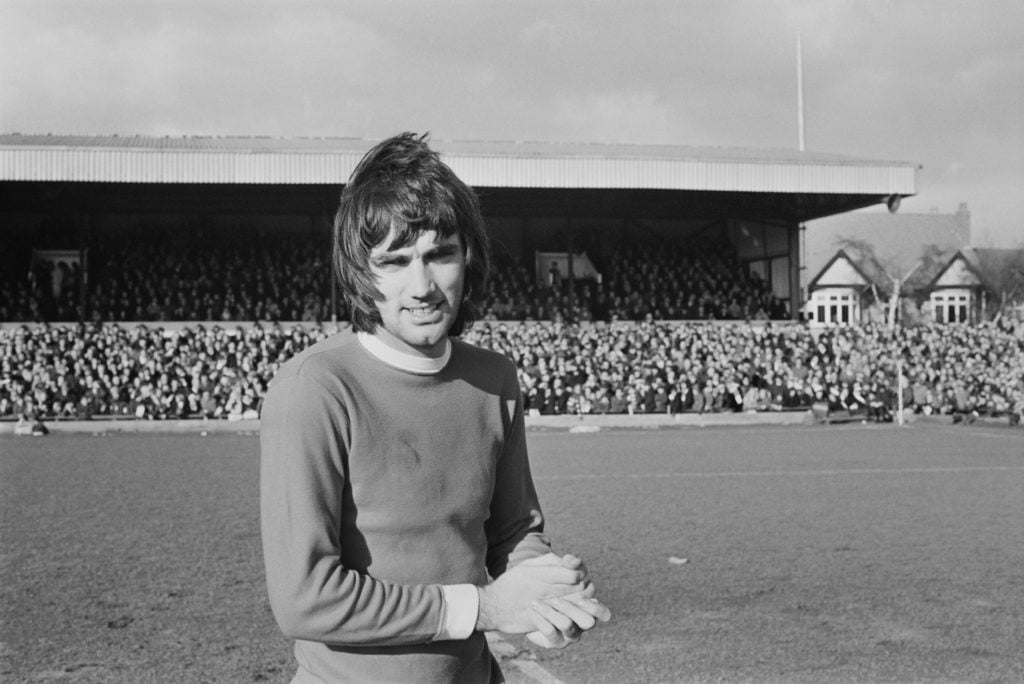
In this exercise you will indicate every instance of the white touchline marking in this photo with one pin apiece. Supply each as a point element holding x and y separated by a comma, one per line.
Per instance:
<point>782,473</point>
<point>530,668</point>
<point>999,433</point>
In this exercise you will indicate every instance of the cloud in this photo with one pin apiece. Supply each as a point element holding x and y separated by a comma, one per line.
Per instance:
<point>615,117</point>
<point>953,169</point>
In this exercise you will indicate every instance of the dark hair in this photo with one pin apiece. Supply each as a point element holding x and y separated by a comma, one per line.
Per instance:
<point>402,185</point>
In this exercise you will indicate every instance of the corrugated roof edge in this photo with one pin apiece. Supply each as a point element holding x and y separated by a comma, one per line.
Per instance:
<point>482,148</point>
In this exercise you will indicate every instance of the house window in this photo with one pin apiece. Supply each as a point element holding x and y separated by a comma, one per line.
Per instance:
<point>833,309</point>
<point>951,308</point>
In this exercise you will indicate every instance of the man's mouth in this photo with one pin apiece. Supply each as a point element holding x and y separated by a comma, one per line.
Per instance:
<point>423,312</point>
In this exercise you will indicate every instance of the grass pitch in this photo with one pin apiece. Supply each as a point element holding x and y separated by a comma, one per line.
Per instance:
<point>812,554</point>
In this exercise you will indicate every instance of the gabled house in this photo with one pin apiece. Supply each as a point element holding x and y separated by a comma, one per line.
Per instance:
<point>876,249</point>
<point>898,238</point>
<point>840,294</point>
<point>976,284</point>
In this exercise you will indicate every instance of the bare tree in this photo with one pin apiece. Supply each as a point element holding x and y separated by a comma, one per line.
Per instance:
<point>888,277</point>
<point>1004,274</point>
<point>894,297</point>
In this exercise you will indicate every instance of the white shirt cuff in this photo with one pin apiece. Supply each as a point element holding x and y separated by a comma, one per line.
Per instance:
<point>461,607</point>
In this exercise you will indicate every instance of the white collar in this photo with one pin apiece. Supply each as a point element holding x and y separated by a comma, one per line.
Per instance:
<point>411,363</point>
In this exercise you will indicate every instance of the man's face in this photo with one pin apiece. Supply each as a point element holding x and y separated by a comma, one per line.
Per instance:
<point>422,287</point>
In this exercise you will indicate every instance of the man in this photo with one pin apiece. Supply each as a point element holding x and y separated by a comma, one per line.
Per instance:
<point>399,516</point>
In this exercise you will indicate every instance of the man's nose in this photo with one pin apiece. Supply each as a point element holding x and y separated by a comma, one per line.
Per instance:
<point>421,280</point>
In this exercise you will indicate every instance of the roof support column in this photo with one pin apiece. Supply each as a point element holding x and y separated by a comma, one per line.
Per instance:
<point>796,270</point>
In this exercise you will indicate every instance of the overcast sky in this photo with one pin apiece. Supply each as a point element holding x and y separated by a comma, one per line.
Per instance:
<point>935,82</point>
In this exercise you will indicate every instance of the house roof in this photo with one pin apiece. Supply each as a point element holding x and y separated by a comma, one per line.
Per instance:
<point>998,270</point>
<point>841,271</point>
<point>898,238</point>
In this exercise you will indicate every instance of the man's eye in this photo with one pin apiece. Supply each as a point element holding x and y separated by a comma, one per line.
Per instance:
<point>446,254</point>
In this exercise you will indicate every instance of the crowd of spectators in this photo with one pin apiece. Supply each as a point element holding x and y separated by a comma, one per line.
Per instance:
<point>699,367</point>
<point>641,279</point>
<point>611,343</point>
<point>65,372</point>
<point>203,371</point>
<point>181,275</point>
<point>204,274</point>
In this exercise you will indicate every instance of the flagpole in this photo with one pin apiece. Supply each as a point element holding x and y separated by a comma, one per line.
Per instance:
<point>800,90</point>
<point>802,232</point>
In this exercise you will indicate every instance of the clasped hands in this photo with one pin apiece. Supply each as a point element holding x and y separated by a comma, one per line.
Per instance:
<point>549,598</point>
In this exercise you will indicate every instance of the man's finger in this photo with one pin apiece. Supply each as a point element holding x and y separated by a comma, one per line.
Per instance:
<point>565,626</point>
<point>594,608</point>
<point>571,561</point>
<point>545,629</point>
<point>582,618</point>
<point>547,559</point>
<point>556,574</point>
<point>544,641</point>
<point>588,590</point>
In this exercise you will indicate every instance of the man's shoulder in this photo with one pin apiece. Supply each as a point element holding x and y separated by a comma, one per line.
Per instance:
<point>481,355</point>
<point>326,354</point>
<point>485,369</point>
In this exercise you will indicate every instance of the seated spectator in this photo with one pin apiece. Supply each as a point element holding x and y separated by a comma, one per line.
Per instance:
<point>240,273</point>
<point>214,372</point>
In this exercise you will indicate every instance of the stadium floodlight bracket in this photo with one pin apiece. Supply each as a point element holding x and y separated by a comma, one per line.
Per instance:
<point>893,203</point>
